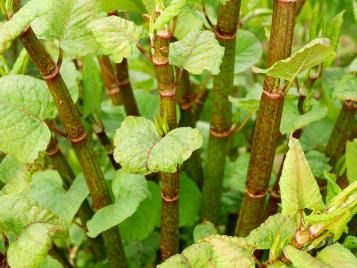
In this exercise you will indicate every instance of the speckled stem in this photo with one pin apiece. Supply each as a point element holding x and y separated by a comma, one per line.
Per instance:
<point>267,125</point>
<point>221,111</point>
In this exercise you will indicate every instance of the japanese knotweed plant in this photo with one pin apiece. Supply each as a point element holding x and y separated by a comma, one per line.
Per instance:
<point>304,234</point>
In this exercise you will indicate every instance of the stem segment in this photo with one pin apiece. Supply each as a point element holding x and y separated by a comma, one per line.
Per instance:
<point>221,111</point>
<point>268,121</point>
<point>169,244</point>
<point>77,135</point>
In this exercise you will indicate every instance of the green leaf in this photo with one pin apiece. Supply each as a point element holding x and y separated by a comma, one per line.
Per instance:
<point>352,68</point>
<point>12,28</point>
<point>333,32</point>
<point>47,189</point>
<point>129,191</point>
<point>116,36</point>
<point>70,76</point>
<point>251,102</point>
<point>337,256</point>
<point>143,221</point>
<point>203,230</point>
<point>32,246</point>
<point>318,162</point>
<point>20,64</point>
<point>127,5</point>
<point>25,104</point>
<point>169,13</point>
<point>346,88</point>
<point>92,85</point>
<point>298,186</point>
<point>187,21</point>
<point>139,148</point>
<point>213,251</point>
<point>333,189</point>
<point>248,51</point>
<point>350,242</point>
<point>292,119</point>
<point>188,53</point>
<point>189,202</point>
<point>314,53</point>
<point>301,259</point>
<point>67,23</point>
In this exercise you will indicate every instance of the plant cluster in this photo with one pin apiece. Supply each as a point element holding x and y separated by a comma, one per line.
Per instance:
<point>138,133</point>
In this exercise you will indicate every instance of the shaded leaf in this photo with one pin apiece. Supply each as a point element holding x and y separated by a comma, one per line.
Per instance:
<point>318,162</point>
<point>298,187</point>
<point>337,256</point>
<point>139,148</point>
<point>314,53</point>
<point>25,104</point>
<point>129,191</point>
<point>12,28</point>
<point>203,230</point>
<point>249,103</point>
<point>67,23</point>
<point>187,21</point>
<point>187,53</point>
<point>116,36</point>
<point>346,88</point>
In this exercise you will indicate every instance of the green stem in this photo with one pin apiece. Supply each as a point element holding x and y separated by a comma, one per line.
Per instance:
<point>77,135</point>
<point>221,111</point>
<point>341,132</point>
<point>184,97</point>
<point>126,91</point>
<point>268,121</point>
<point>169,244</point>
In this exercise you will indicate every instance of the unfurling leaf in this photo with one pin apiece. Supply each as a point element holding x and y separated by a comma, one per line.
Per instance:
<point>20,20</point>
<point>314,53</point>
<point>214,251</point>
<point>197,52</point>
<point>66,22</point>
<point>129,191</point>
<point>298,187</point>
<point>25,104</point>
<point>169,13</point>
<point>140,149</point>
<point>116,36</point>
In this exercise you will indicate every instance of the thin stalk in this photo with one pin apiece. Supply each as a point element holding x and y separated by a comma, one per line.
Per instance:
<point>126,91</point>
<point>184,97</point>
<point>169,244</point>
<point>221,111</point>
<point>268,121</point>
<point>77,135</point>
<point>342,132</point>
<point>109,79</point>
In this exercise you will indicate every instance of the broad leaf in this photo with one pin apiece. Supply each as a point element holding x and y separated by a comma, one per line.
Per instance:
<point>20,20</point>
<point>316,52</point>
<point>251,102</point>
<point>47,189</point>
<point>20,64</point>
<point>337,256</point>
<point>116,36</point>
<point>346,88</point>
<point>71,76</point>
<point>298,187</point>
<point>127,5</point>
<point>169,13</point>
<point>318,162</point>
<point>351,160</point>
<point>92,85</point>
<point>301,259</point>
<point>188,53</point>
<point>333,189</point>
<point>350,242</point>
<point>204,230</point>
<point>189,202</point>
<point>213,251</point>
<point>248,51</point>
<point>292,119</point>
<point>187,21</point>
<point>129,191</point>
<point>139,148</point>
<point>25,104</point>
<point>143,221</point>
<point>67,23</point>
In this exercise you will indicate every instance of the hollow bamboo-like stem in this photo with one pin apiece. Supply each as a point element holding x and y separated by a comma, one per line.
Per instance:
<point>221,111</point>
<point>341,132</point>
<point>110,80</point>
<point>169,244</point>
<point>267,125</point>
<point>185,98</point>
<point>85,212</point>
<point>77,135</point>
